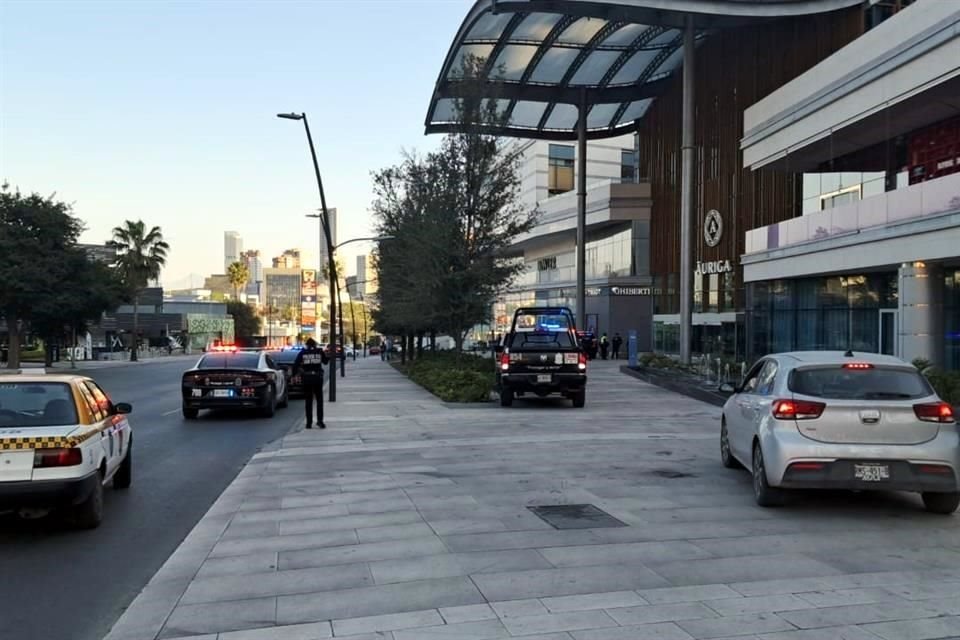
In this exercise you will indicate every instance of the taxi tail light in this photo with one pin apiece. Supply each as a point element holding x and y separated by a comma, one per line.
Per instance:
<point>797,409</point>
<point>934,412</point>
<point>504,361</point>
<point>61,457</point>
<point>582,361</point>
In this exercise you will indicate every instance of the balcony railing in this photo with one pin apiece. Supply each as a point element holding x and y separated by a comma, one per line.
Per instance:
<point>922,200</point>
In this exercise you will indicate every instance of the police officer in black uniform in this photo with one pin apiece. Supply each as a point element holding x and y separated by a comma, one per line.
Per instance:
<point>309,365</point>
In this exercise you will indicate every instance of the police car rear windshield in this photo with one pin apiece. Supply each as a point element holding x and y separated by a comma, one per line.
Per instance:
<point>228,360</point>
<point>287,356</point>
<point>36,404</point>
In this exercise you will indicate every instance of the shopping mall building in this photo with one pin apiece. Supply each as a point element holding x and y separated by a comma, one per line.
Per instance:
<point>826,180</point>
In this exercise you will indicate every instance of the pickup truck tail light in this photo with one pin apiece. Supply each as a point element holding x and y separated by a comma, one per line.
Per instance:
<point>504,361</point>
<point>582,363</point>
<point>63,457</point>
<point>934,412</point>
<point>797,409</point>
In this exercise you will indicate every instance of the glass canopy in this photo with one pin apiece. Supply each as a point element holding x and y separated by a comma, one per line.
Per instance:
<point>543,58</point>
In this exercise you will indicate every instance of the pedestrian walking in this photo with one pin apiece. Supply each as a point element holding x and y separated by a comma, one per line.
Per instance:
<point>309,366</point>
<point>604,346</point>
<point>617,344</point>
<point>383,350</point>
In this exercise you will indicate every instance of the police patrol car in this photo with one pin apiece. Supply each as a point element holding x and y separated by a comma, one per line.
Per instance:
<point>61,440</point>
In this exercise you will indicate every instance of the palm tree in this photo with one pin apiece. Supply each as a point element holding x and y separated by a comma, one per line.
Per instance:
<point>239,275</point>
<point>140,256</point>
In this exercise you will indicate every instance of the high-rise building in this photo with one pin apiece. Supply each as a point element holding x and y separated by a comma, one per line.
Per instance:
<point>281,290</point>
<point>232,248</point>
<point>324,255</point>
<point>289,259</point>
<point>251,258</point>
<point>366,282</point>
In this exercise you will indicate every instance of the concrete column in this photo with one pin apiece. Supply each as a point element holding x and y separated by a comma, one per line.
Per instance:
<point>582,213</point>
<point>921,312</point>
<point>687,152</point>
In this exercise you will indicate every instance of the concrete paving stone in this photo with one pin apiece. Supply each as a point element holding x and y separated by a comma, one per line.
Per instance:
<point>284,543</point>
<point>379,635</point>
<point>465,525</point>
<point>259,504</point>
<point>468,613</point>
<point>609,600</point>
<point>220,616</point>
<point>206,636</point>
<point>780,586</point>
<point>859,614</point>
<point>759,604</point>
<point>840,597</point>
<point>297,513</point>
<point>295,502</point>
<point>387,622</point>
<point>891,558</point>
<point>477,630</point>
<point>641,531</point>
<point>380,506</point>
<point>457,564</point>
<point>565,582</point>
<point>238,530</point>
<point>726,570</point>
<point>551,622</point>
<point>311,631</point>
<point>731,626</point>
<point>626,553</point>
<point>145,617</point>
<point>659,631</point>
<point>520,540</point>
<point>182,565</point>
<point>927,629</point>
<point>519,608</point>
<point>378,600</point>
<point>263,562</point>
<point>277,583</point>
<point>366,552</point>
<point>940,589</point>
<point>695,593</point>
<point>363,521</point>
<point>649,614</point>
<point>827,633</point>
<point>394,532</point>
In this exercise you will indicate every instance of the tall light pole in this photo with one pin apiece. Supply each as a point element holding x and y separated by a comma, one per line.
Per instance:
<point>325,234</point>
<point>353,318</point>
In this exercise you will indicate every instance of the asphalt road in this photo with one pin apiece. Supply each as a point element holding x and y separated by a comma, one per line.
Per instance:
<point>62,584</point>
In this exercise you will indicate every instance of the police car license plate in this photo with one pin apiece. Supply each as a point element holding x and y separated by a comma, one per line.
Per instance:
<point>222,393</point>
<point>545,378</point>
<point>196,393</point>
<point>871,472</point>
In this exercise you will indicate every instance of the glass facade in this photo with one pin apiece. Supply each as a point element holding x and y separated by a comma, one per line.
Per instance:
<point>610,253</point>
<point>628,166</point>
<point>561,169</point>
<point>951,319</point>
<point>822,191</point>
<point>836,312</point>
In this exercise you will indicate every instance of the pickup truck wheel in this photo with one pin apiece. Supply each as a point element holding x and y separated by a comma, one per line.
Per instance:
<point>89,513</point>
<point>190,414</point>
<point>506,397</point>
<point>579,399</point>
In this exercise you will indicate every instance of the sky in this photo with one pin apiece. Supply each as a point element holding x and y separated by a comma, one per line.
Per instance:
<point>166,112</point>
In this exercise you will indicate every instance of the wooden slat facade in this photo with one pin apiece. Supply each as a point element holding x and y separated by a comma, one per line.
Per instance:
<point>735,68</point>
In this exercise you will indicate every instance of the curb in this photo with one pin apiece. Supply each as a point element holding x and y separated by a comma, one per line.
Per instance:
<point>664,382</point>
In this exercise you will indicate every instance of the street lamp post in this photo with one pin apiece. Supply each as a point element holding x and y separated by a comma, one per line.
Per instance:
<point>325,235</point>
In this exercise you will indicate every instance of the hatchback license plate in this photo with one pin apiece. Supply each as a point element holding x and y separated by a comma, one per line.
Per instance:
<point>222,393</point>
<point>871,472</point>
<point>546,378</point>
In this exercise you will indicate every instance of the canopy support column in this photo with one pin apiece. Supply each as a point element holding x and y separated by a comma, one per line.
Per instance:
<point>582,212</point>
<point>688,158</point>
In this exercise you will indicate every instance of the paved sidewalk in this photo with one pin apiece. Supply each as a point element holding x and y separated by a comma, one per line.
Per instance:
<point>407,519</point>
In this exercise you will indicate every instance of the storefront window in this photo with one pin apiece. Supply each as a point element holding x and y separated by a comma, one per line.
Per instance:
<point>951,319</point>
<point>561,169</point>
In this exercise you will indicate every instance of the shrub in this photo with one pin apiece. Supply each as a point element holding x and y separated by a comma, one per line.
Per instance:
<point>451,376</point>
<point>945,383</point>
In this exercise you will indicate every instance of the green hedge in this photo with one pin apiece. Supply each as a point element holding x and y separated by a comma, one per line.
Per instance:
<point>945,383</point>
<point>452,377</point>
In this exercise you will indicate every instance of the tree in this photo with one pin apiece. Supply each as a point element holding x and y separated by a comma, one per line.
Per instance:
<point>35,233</point>
<point>140,256</point>
<point>239,275</point>
<point>246,323</point>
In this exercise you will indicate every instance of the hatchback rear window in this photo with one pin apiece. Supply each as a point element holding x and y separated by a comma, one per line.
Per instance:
<point>36,404</point>
<point>231,361</point>
<point>859,384</point>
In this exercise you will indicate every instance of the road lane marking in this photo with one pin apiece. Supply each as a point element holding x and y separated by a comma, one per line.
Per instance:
<point>171,412</point>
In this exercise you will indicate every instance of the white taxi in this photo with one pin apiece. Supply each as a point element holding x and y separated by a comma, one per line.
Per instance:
<point>61,440</point>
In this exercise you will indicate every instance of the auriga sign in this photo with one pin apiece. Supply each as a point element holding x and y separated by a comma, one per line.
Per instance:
<point>713,266</point>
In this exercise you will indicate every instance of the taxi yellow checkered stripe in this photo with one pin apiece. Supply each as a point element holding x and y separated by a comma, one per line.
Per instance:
<point>45,442</point>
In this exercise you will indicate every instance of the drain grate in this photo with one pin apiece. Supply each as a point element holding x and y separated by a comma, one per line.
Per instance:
<point>576,516</point>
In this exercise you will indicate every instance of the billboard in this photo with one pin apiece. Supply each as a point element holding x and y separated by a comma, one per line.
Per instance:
<point>308,299</point>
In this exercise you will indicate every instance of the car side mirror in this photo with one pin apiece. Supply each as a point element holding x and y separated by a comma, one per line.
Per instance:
<point>123,408</point>
<point>728,388</point>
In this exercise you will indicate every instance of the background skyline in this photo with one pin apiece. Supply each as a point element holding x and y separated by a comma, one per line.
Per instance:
<point>166,112</point>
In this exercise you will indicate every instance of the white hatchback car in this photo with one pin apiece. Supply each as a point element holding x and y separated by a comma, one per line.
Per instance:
<point>835,420</point>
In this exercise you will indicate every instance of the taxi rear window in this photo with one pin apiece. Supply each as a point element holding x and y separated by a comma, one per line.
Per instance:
<point>36,404</point>
<point>230,361</point>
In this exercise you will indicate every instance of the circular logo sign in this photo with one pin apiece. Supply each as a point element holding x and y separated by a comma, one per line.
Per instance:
<point>712,228</point>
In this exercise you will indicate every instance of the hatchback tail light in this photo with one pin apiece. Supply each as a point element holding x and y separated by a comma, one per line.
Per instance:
<point>44,458</point>
<point>797,409</point>
<point>582,362</point>
<point>504,361</point>
<point>934,412</point>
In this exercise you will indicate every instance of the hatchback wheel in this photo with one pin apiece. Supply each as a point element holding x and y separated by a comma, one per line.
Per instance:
<point>765,495</point>
<point>945,503</point>
<point>726,457</point>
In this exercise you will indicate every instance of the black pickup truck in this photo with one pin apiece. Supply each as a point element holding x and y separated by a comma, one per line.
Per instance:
<point>541,355</point>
